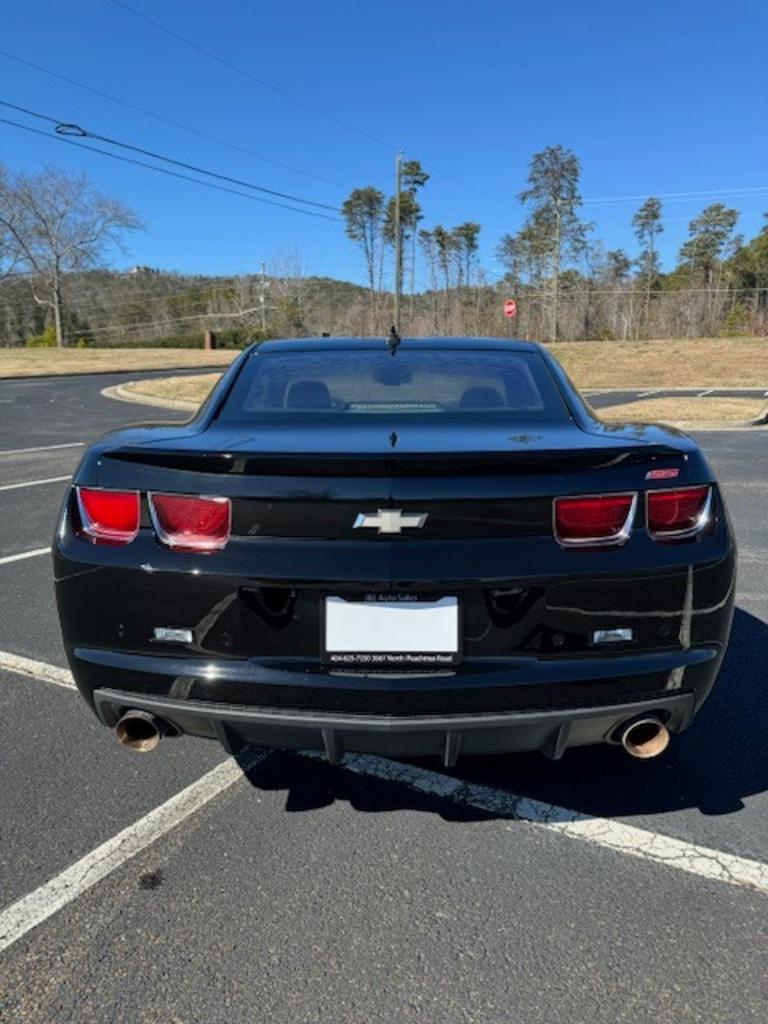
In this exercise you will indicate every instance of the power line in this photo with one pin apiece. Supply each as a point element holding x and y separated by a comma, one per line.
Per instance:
<point>681,196</point>
<point>143,325</point>
<point>166,171</point>
<point>167,120</point>
<point>66,128</point>
<point>287,96</point>
<point>253,78</point>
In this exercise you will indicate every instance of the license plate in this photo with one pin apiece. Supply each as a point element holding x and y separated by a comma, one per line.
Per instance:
<point>387,631</point>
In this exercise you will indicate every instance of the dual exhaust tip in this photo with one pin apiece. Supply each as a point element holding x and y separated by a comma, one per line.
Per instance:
<point>645,738</point>
<point>140,731</point>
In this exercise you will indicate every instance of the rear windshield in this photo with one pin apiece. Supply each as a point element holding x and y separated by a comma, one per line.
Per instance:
<point>371,382</point>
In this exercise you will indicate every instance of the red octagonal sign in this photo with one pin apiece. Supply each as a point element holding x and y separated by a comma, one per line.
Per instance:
<point>510,307</point>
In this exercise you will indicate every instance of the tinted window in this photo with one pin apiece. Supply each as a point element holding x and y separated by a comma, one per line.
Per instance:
<point>369,382</point>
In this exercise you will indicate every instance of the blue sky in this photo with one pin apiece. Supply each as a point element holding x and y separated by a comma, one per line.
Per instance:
<point>655,99</point>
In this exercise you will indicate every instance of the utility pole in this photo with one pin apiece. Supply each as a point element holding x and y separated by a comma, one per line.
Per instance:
<point>398,244</point>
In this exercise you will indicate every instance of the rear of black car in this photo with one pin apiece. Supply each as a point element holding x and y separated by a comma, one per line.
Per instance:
<point>400,563</point>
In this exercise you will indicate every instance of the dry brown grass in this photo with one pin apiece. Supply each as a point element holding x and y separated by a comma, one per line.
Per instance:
<point>36,362</point>
<point>685,410</point>
<point>706,363</point>
<point>179,389</point>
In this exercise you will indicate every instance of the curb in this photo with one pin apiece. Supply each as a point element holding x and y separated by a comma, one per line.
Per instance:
<point>118,392</point>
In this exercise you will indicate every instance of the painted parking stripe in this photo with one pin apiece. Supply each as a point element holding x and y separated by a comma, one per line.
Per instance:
<point>613,835</point>
<point>21,555</point>
<point>39,670</point>
<point>42,448</point>
<point>32,910</point>
<point>657,848</point>
<point>36,483</point>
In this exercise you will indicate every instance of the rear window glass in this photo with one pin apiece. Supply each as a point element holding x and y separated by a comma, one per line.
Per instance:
<point>369,382</point>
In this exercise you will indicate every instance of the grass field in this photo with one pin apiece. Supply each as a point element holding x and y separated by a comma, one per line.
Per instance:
<point>685,410</point>
<point>704,363</point>
<point>708,362</point>
<point>178,389</point>
<point>38,362</point>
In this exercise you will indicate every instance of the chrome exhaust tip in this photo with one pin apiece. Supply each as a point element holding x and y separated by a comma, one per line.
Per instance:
<point>139,731</point>
<point>645,738</point>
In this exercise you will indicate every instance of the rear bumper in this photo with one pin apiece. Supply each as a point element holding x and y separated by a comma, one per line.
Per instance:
<point>551,732</point>
<point>486,706</point>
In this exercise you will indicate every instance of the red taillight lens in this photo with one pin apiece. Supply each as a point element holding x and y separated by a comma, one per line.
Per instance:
<point>681,512</point>
<point>189,523</point>
<point>108,517</point>
<point>603,519</point>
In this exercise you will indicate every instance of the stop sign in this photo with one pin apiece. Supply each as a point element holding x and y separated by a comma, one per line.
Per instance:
<point>510,307</point>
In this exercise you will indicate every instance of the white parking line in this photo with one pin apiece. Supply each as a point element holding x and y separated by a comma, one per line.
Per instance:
<point>703,394</point>
<point>21,555</point>
<point>614,835</point>
<point>647,394</point>
<point>31,910</point>
<point>36,669</point>
<point>42,448</point>
<point>36,483</point>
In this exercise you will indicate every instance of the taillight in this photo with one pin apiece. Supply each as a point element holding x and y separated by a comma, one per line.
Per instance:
<point>594,521</point>
<point>675,514</point>
<point>108,517</point>
<point>188,523</point>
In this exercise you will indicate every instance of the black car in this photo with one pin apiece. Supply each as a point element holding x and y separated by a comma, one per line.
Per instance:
<point>431,547</point>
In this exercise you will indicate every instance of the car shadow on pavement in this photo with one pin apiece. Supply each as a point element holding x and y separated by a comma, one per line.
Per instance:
<point>714,766</point>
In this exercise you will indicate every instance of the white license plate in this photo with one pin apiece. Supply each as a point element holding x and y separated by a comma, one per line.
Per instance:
<point>392,631</point>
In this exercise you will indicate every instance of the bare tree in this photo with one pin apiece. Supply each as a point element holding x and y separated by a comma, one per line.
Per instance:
<point>9,249</point>
<point>60,224</point>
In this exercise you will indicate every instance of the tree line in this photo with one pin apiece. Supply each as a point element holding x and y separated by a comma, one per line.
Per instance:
<point>567,284</point>
<point>58,234</point>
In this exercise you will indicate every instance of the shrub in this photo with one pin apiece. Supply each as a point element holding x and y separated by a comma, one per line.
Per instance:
<point>46,339</point>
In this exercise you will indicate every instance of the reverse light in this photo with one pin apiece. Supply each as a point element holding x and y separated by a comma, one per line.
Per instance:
<point>594,521</point>
<point>108,517</point>
<point>678,513</point>
<point>189,523</point>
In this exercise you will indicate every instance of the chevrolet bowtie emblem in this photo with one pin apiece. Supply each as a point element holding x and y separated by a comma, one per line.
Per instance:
<point>391,520</point>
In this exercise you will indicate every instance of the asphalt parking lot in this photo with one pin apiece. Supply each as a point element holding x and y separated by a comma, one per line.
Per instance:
<point>510,889</point>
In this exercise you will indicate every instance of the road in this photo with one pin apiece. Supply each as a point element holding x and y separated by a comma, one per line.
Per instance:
<point>289,890</point>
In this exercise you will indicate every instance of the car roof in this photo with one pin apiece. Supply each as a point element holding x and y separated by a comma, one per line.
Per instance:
<point>446,344</point>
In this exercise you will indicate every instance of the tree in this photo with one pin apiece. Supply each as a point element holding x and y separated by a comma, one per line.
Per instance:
<point>9,250</point>
<point>527,254</point>
<point>617,266</point>
<point>363,212</point>
<point>648,226</point>
<point>466,236</point>
<point>711,236</point>
<point>60,224</point>
<point>553,192</point>
<point>412,178</point>
<point>429,248</point>
<point>749,267</point>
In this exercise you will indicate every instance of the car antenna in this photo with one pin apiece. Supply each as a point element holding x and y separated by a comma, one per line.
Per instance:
<point>393,340</point>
